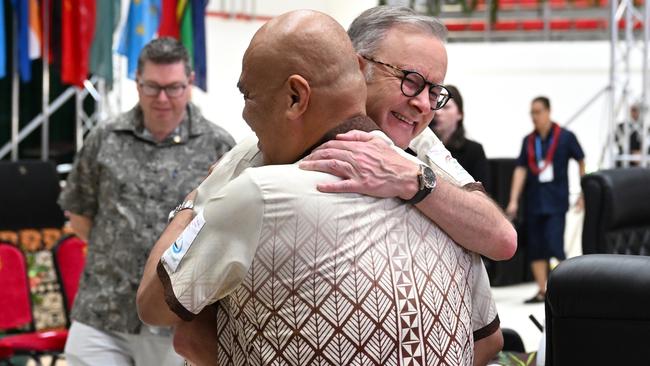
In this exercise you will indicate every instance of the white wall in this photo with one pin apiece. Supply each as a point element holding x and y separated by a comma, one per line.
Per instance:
<point>498,80</point>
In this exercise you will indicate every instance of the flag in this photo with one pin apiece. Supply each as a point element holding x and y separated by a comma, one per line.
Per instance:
<point>24,63</point>
<point>35,32</point>
<point>184,15</point>
<point>78,20</point>
<point>101,51</point>
<point>3,45</point>
<point>168,19</point>
<point>141,25</point>
<point>198,33</point>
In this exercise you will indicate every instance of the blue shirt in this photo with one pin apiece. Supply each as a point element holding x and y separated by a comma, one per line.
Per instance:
<point>550,197</point>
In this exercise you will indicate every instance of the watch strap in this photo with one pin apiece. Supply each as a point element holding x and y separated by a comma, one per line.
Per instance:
<point>419,196</point>
<point>424,188</point>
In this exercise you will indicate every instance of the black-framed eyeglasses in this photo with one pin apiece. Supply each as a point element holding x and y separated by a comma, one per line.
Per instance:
<point>152,89</point>
<point>413,83</point>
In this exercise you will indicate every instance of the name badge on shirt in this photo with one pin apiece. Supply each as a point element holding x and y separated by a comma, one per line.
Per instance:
<point>545,175</point>
<point>175,253</point>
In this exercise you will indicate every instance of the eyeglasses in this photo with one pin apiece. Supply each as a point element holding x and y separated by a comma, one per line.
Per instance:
<point>413,83</point>
<point>152,90</point>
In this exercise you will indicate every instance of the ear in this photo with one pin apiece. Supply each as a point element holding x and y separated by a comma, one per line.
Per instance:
<point>299,94</point>
<point>362,63</point>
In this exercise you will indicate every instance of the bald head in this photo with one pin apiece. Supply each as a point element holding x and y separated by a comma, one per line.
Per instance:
<point>304,64</point>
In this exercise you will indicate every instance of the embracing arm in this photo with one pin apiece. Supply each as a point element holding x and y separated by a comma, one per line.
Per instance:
<point>368,165</point>
<point>151,304</point>
<point>485,349</point>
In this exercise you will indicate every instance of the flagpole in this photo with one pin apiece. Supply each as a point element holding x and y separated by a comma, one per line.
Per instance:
<point>15,88</point>
<point>45,101</point>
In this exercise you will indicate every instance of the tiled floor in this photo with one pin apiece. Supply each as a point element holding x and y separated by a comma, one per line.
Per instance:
<point>514,313</point>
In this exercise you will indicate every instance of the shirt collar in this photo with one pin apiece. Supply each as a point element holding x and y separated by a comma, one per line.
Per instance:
<point>360,122</point>
<point>191,126</point>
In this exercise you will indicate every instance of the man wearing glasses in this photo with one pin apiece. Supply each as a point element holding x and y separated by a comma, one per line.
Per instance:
<point>402,100</point>
<point>130,172</point>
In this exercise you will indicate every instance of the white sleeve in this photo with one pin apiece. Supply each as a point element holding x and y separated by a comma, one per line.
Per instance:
<point>485,319</point>
<point>433,152</point>
<point>213,254</point>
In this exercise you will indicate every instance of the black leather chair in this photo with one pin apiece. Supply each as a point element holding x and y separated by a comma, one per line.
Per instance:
<point>28,194</point>
<point>617,211</point>
<point>598,311</point>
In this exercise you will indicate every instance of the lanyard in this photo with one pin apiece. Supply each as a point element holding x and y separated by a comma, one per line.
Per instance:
<point>538,147</point>
<point>535,145</point>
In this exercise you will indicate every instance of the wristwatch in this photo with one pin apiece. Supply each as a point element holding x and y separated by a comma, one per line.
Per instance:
<point>427,182</point>
<point>185,205</point>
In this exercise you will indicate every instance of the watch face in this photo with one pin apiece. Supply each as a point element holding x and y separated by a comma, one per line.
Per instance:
<point>428,177</point>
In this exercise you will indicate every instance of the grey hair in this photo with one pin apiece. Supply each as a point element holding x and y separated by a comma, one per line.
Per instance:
<point>165,51</point>
<point>369,29</point>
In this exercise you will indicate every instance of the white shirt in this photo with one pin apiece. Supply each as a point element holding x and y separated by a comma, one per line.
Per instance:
<point>306,277</point>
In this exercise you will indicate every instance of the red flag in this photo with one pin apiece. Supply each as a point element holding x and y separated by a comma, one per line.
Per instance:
<point>168,20</point>
<point>78,29</point>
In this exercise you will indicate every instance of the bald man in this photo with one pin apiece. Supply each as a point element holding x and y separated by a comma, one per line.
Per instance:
<point>304,277</point>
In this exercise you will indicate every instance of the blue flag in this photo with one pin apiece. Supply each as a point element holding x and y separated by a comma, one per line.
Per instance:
<point>24,63</point>
<point>3,45</point>
<point>198,35</point>
<point>141,25</point>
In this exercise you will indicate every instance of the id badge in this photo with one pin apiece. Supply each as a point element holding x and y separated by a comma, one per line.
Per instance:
<point>545,175</point>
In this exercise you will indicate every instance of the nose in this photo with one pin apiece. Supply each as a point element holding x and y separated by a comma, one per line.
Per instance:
<point>162,96</point>
<point>422,102</point>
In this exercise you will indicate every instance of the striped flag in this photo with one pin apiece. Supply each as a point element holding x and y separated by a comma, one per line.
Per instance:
<point>185,21</point>
<point>168,19</point>
<point>35,31</point>
<point>141,25</point>
<point>184,15</point>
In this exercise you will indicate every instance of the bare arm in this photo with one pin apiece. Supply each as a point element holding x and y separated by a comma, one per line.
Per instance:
<point>152,307</point>
<point>486,349</point>
<point>580,203</point>
<point>197,340</point>
<point>518,180</point>
<point>369,166</point>
<point>81,225</point>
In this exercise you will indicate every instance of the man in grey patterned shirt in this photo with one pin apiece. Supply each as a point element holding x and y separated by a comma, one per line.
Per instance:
<point>130,173</point>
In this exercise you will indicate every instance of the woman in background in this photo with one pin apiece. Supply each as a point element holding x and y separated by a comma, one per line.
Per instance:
<point>447,123</point>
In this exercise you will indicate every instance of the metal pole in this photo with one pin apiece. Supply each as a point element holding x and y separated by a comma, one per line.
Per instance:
<point>79,136</point>
<point>15,89</point>
<point>629,44</point>
<point>36,121</point>
<point>645,103</point>
<point>45,101</point>
<point>612,80</point>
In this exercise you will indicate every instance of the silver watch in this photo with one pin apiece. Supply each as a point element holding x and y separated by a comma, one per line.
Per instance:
<point>186,205</point>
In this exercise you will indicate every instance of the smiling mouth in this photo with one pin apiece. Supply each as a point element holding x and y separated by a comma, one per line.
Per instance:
<point>403,119</point>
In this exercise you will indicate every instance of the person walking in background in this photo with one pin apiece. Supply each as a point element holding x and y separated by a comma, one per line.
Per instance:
<point>447,123</point>
<point>542,172</point>
<point>129,174</point>
<point>635,131</point>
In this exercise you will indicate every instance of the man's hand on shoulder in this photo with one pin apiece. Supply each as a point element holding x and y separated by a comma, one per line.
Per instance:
<point>366,163</point>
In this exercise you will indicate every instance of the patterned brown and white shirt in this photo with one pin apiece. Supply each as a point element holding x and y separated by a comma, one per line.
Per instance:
<point>306,277</point>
